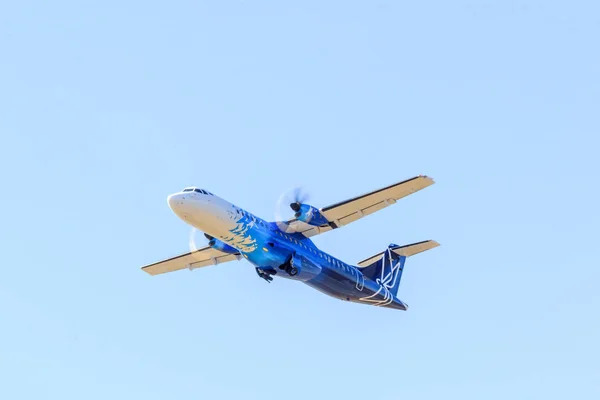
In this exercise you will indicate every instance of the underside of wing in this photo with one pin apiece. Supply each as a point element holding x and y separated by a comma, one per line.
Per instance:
<point>197,259</point>
<point>350,210</point>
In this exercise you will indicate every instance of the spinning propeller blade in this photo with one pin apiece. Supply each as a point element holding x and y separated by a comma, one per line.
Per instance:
<point>293,198</point>
<point>192,239</point>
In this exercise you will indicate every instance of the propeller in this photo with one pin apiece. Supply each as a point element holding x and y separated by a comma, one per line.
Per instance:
<point>298,196</point>
<point>294,198</point>
<point>192,240</point>
<point>295,206</point>
<point>211,239</point>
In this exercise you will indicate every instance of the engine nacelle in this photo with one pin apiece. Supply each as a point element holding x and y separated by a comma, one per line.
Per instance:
<point>311,215</point>
<point>221,246</point>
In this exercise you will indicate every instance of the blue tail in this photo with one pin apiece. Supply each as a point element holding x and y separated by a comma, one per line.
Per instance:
<point>386,267</point>
<point>387,271</point>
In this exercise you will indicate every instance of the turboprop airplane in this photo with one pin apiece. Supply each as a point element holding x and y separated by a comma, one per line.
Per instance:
<point>284,248</point>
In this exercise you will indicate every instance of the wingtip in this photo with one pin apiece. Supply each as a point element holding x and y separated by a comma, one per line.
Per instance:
<point>147,270</point>
<point>429,178</point>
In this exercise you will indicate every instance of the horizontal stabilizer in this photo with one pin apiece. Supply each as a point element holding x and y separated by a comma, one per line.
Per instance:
<point>406,251</point>
<point>415,248</point>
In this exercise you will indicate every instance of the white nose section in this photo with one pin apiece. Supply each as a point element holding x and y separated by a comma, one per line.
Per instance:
<point>205,212</point>
<point>174,200</point>
<point>179,204</point>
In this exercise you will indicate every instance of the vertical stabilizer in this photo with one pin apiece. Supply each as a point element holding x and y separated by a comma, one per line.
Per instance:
<point>387,271</point>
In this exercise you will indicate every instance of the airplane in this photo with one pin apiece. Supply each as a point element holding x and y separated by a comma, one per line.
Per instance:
<point>284,248</point>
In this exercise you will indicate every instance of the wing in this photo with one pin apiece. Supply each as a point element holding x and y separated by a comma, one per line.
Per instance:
<point>197,259</point>
<point>350,210</point>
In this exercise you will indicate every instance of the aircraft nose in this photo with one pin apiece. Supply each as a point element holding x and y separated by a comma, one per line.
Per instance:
<point>175,201</point>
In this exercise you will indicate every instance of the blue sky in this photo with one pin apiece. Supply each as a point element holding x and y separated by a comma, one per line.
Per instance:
<point>109,107</point>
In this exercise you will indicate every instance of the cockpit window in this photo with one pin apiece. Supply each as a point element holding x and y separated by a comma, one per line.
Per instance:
<point>203,192</point>
<point>193,189</point>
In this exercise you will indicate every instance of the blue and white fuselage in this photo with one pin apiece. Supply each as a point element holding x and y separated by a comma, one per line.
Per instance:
<point>273,251</point>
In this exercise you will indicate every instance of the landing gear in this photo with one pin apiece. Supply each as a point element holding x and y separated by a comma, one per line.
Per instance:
<point>266,274</point>
<point>288,266</point>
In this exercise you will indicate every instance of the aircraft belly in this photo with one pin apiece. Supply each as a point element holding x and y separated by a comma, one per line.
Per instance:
<point>338,285</point>
<point>350,289</point>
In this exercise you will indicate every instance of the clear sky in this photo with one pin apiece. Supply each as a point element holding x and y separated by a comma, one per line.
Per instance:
<point>109,106</point>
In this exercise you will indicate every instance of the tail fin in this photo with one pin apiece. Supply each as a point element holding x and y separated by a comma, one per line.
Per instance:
<point>386,267</point>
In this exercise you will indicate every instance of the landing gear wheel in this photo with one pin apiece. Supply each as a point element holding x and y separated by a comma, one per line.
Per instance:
<point>293,271</point>
<point>286,265</point>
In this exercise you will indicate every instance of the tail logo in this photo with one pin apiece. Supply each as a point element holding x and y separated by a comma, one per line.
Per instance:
<point>387,281</point>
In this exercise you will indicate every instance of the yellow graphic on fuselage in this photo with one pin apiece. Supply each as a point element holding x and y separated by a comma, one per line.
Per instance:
<point>240,238</point>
